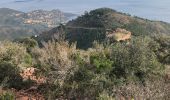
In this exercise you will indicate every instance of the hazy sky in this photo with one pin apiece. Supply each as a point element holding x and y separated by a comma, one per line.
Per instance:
<point>152,9</point>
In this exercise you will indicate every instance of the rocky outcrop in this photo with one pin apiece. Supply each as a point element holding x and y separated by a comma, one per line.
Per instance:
<point>119,34</point>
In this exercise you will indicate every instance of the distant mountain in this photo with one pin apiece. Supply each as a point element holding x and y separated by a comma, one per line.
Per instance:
<point>8,11</point>
<point>94,25</point>
<point>16,24</point>
<point>50,18</point>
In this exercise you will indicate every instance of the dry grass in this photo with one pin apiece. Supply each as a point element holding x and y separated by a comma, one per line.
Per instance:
<point>56,56</point>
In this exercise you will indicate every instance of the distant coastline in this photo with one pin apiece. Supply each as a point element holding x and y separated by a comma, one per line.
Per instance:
<point>151,9</point>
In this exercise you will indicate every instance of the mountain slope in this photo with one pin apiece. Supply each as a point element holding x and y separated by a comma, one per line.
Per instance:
<point>7,11</point>
<point>93,26</point>
<point>15,24</point>
<point>111,19</point>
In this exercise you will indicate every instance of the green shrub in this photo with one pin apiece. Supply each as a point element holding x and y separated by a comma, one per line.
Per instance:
<point>135,60</point>
<point>13,58</point>
<point>163,51</point>
<point>92,72</point>
<point>101,62</point>
<point>28,59</point>
<point>105,96</point>
<point>14,53</point>
<point>11,73</point>
<point>7,96</point>
<point>28,42</point>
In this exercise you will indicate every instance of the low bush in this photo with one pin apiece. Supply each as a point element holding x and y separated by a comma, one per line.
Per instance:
<point>135,60</point>
<point>106,71</point>
<point>14,53</point>
<point>7,96</point>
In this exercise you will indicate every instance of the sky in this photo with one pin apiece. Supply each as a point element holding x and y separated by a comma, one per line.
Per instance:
<point>151,9</point>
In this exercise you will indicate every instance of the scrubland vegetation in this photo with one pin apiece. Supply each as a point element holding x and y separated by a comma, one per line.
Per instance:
<point>105,71</point>
<point>137,68</point>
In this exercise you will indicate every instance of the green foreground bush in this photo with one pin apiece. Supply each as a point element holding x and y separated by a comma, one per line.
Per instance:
<point>13,59</point>
<point>106,71</point>
<point>7,96</point>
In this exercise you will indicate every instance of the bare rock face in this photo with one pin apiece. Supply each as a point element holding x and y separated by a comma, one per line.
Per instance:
<point>119,34</point>
<point>29,73</point>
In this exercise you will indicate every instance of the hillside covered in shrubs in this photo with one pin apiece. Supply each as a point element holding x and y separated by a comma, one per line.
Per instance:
<point>77,66</point>
<point>93,26</point>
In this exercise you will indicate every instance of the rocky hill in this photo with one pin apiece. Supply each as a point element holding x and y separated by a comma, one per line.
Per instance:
<point>49,18</point>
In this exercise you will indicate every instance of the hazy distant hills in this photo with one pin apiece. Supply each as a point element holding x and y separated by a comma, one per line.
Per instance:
<point>16,24</point>
<point>94,24</point>
<point>49,18</point>
<point>7,11</point>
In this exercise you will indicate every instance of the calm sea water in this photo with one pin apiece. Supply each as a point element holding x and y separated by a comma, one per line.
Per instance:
<point>151,9</point>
